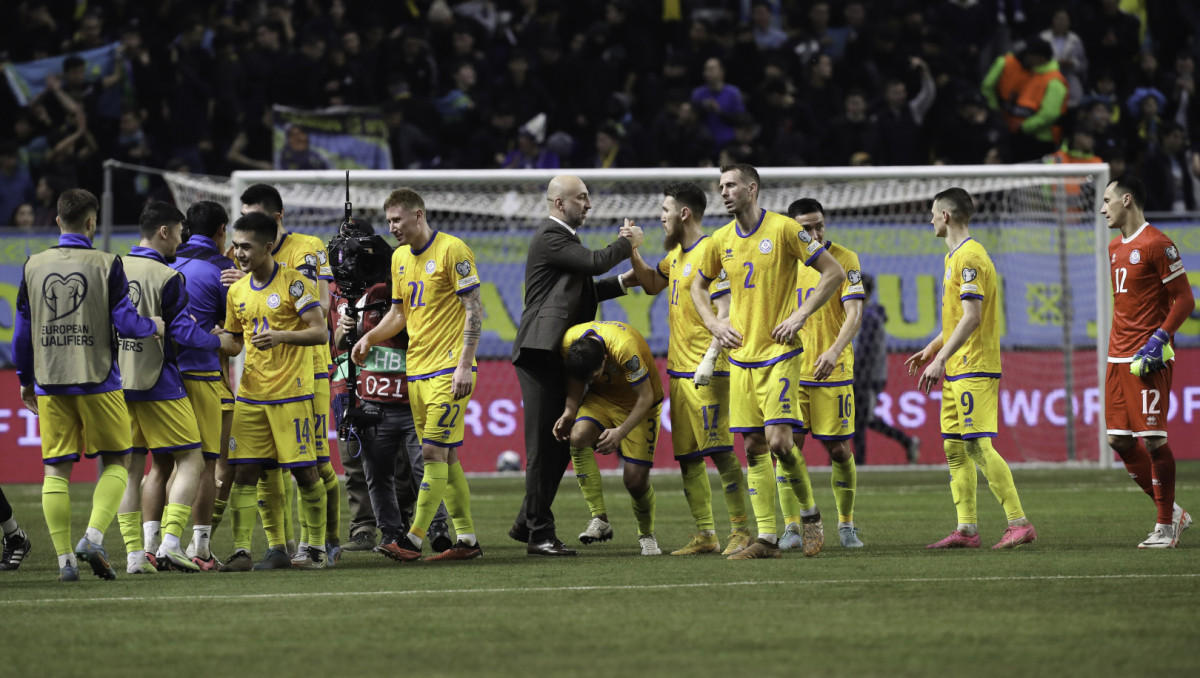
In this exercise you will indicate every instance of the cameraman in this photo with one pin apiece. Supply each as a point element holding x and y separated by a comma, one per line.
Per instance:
<point>391,458</point>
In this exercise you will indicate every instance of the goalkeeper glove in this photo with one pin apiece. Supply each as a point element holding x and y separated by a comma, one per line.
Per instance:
<point>1153,355</point>
<point>704,370</point>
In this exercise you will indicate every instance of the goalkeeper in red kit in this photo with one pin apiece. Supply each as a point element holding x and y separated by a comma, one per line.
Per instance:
<point>1151,299</point>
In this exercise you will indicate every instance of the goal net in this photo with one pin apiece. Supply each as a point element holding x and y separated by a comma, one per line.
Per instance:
<point>1039,223</point>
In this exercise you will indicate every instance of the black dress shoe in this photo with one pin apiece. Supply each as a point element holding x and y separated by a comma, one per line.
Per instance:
<point>550,547</point>
<point>519,533</point>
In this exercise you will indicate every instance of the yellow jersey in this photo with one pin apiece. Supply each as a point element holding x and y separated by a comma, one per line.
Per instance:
<point>971,275</point>
<point>306,254</point>
<point>761,266</point>
<point>427,282</point>
<point>689,338</point>
<point>823,328</point>
<point>630,361</point>
<point>284,373</point>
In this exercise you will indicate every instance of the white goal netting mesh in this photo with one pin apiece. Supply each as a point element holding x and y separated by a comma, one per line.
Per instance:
<point>1038,229</point>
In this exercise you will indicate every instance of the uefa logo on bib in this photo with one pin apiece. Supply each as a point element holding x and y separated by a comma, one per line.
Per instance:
<point>764,246</point>
<point>273,301</point>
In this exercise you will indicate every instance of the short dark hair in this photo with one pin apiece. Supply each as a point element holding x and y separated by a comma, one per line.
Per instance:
<point>157,214</point>
<point>265,195</point>
<point>805,206</point>
<point>689,195</point>
<point>961,205</point>
<point>206,218</point>
<point>747,172</point>
<point>74,205</point>
<point>584,356</point>
<point>257,224</point>
<point>1126,183</point>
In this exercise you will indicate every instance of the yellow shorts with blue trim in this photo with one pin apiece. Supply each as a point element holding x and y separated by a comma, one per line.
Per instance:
<point>320,403</point>
<point>827,410</point>
<point>638,446</point>
<point>163,426</point>
<point>764,396</point>
<point>700,418</point>
<point>273,434</point>
<point>438,417</point>
<point>96,423</point>
<point>969,407</point>
<point>204,394</point>
<point>226,394</point>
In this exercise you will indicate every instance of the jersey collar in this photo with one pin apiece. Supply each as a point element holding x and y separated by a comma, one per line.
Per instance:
<point>139,251</point>
<point>1126,241</point>
<point>693,246</point>
<point>279,245</point>
<point>738,227</point>
<point>969,239</point>
<point>427,245</point>
<point>74,240</point>
<point>274,272</point>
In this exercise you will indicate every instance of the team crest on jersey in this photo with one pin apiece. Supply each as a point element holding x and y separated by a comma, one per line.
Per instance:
<point>764,246</point>
<point>322,257</point>
<point>232,443</point>
<point>804,236</point>
<point>430,266</point>
<point>273,301</point>
<point>687,270</point>
<point>310,259</point>
<point>1135,257</point>
<point>1114,257</point>
<point>855,277</point>
<point>296,289</point>
<point>969,274</point>
<point>463,268</point>
<point>1172,253</point>
<point>948,275</point>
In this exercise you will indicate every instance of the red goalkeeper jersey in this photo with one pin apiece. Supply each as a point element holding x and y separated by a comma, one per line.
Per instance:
<point>1142,265</point>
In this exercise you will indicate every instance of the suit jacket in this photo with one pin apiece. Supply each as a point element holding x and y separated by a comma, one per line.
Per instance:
<point>559,290</point>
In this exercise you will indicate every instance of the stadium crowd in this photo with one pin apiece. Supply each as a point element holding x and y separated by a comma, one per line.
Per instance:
<point>605,83</point>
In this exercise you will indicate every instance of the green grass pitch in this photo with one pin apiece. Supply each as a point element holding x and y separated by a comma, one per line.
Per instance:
<point>1082,600</point>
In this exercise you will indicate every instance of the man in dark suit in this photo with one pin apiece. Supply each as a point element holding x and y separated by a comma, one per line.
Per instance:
<point>559,293</point>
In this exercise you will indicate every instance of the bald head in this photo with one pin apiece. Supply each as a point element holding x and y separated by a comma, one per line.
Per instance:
<point>568,198</point>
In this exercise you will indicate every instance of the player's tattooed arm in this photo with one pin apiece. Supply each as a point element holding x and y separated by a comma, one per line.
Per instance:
<point>472,327</point>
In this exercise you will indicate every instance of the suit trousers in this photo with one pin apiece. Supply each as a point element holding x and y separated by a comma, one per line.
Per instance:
<point>544,390</point>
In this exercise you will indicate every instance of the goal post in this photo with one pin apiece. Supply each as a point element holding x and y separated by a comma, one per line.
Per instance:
<point>1040,224</point>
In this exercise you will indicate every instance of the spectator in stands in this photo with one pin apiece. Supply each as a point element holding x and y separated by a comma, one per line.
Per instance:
<point>820,92</point>
<point>1079,148</point>
<point>16,187</point>
<point>252,148</point>
<point>297,153</point>
<point>45,205</point>
<point>901,141</point>
<point>1112,38</point>
<point>969,137</point>
<point>1144,120</point>
<point>525,93</point>
<point>611,151</point>
<point>719,102</point>
<point>23,216</point>
<point>1069,53</point>
<point>411,147</point>
<point>1032,95</point>
<point>853,133</point>
<point>767,34</point>
<point>685,141</point>
<point>1170,183</point>
<point>529,153</point>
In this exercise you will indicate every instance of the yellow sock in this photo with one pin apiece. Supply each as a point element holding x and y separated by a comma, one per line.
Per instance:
<point>271,497</point>
<point>110,488</point>
<point>587,474</point>
<point>313,510</point>
<point>998,475</point>
<point>333,503</point>
<point>289,510</point>
<point>698,492</point>
<point>643,511</point>
<point>131,530</point>
<point>175,518</point>
<point>218,512</point>
<point>845,483</point>
<point>458,500</point>
<point>56,506</point>
<point>761,477</point>
<point>242,503</point>
<point>429,498</point>
<point>795,487</point>
<point>733,480</point>
<point>963,480</point>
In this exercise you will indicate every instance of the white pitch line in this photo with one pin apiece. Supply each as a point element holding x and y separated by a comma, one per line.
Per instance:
<point>621,587</point>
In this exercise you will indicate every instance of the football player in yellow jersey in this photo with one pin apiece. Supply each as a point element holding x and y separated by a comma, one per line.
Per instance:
<point>306,254</point>
<point>826,394</point>
<point>620,413</point>
<point>760,252</point>
<point>967,353</point>
<point>272,419</point>
<point>699,372</point>
<point>435,295</point>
